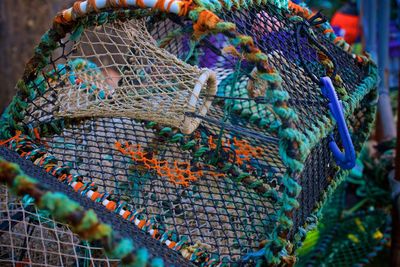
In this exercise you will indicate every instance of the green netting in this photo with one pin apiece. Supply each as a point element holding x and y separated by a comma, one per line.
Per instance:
<point>355,225</point>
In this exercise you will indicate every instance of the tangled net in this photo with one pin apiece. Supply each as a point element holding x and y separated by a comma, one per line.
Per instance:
<point>201,124</point>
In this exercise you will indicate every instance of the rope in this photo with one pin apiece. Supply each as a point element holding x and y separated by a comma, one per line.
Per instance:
<point>303,27</point>
<point>236,128</point>
<point>83,222</point>
<point>263,100</point>
<point>18,134</point>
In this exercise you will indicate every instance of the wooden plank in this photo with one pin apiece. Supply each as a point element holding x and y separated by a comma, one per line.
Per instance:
<point>21,25</point>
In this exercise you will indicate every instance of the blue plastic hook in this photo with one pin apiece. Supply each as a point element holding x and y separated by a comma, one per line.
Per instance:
<point>347,159</point>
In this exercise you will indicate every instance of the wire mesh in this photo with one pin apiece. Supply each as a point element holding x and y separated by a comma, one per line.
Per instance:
<point>275,34</point>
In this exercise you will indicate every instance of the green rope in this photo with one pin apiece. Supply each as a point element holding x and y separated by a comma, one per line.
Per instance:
<point>63,208</point>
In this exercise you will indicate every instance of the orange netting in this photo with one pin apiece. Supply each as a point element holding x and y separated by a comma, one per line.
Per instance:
<point>178,172</point>
<point>243,150</point>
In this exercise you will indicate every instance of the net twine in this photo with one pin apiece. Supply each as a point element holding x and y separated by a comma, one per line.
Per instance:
<point>153,85</point>
<point>85,223</point>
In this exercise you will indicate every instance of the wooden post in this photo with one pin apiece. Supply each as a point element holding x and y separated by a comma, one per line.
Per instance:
<point>396,206</point>
<point>384,106</point>
<point>22,23</point>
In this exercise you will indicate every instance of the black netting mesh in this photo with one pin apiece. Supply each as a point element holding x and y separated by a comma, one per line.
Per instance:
<point>226,217</point>
<point>320,167</point>
<point>216,211</point>
<point>275,34</point>
<point>31,236</point>
<point>349,233</point>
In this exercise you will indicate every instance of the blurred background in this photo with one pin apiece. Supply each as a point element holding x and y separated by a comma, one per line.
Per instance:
<point>357,227</point>
<point>22,23</point>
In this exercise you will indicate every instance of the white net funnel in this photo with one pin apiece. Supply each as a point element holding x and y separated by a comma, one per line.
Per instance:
<point>119,71</point>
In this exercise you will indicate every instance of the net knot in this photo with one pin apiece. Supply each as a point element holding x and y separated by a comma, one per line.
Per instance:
<point>16,137</point>
<point>207,21</point>
<point>316,19</point>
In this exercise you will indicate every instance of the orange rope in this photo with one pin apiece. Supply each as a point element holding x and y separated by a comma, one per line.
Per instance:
<point>328,31</point>
<point>123,3</point>
<point>359,59</point>
<point>36,132</point>
<point>299,10</point>
<point>160,5</point>
<point>18,133</point>
<point>211,143</point>
<point>37,136</point>
<point>76,7</point>
<point>183,7</point>
<point>244,151</point>
<point>112,3</point>
<point>231,50</point>
<point>140,3</point>
<point>169,5</point>
<point>62,18</point>
<point>92,4</point>
<point>338,39</point>
<point>179,173</point>
<point>207,21</point>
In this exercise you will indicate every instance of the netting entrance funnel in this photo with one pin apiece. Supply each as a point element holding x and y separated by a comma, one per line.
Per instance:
<point>246,181</point>
<point>152,83</point>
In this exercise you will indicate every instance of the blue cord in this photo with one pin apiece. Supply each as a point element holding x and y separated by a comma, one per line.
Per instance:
<point>253,255</point>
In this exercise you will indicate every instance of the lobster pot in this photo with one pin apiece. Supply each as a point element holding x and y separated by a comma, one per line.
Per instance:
<point>208,132</point>
<point>130,76</point>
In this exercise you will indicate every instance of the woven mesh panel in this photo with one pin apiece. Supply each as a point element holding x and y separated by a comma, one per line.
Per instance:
<point>225,217</point>
<point>320,167</point>
<point>274,34</point>
<point>122,227</point>
<point>216,211</point>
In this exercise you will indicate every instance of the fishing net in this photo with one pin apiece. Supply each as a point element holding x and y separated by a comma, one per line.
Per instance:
<point>203,125</point>
<point>353,241</point>
<point>152,83</point>
<point>43,225</point>
<point>30,237</point>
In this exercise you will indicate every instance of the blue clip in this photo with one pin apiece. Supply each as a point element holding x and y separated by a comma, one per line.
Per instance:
<point>253,255</point>
<point>347,159</point>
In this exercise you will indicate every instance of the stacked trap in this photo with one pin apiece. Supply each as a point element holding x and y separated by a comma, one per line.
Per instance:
<point>202,124</point>
<point>356,224</point>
